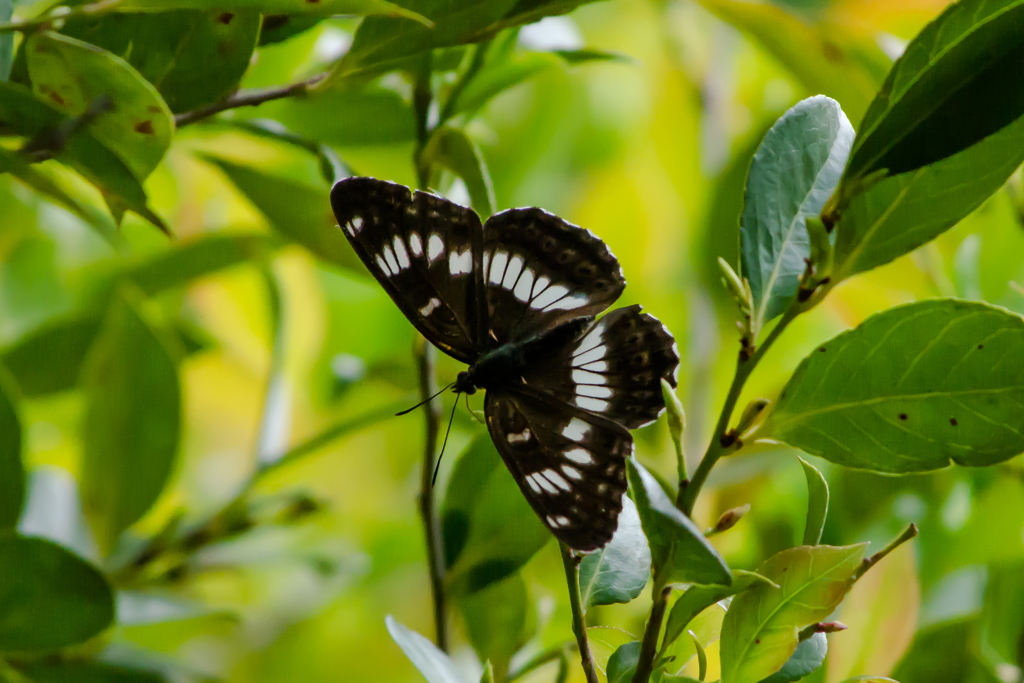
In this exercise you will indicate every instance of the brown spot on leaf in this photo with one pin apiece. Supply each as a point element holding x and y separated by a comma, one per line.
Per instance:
<point>953,421</point>
<point>822,349</point>
<point>145,127</point>
<point>981,346</point>
<point>153,109</point>
<point>313,2</point>
<point>225,18</point>
<point>757,641</point>
<point>903,416</point>
<point>55,96</point>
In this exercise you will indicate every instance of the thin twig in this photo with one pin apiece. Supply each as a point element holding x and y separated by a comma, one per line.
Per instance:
<point>579,624</point>
<point>61,14</point>
<point>426,360</point>
<point>248,98</point>
<point>720,442</point>
<point>649,644</point>
<point>479,56</point>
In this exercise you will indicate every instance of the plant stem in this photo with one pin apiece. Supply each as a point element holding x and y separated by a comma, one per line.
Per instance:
<point>649,645</point>
<point>426,356</point>
<point>44,21</point>
<point>909,533</point>
<point>579,624</point>
<point>248,98</point>
<point>479,56</point>
<point>720,445</point>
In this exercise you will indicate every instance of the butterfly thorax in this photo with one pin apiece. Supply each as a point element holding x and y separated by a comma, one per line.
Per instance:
<point>506,364</point>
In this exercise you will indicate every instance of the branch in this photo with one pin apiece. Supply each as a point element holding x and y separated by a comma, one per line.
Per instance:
<point>649,645</point>
<point>248,98</point>
<point>722,440</point>
<point>579,624</point>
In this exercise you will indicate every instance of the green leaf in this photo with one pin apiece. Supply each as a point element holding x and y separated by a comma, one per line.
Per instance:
<point>132,422</point>
<point>481,547</point>
<point>49,598</point>
<point>814,54</point>
<point>604,641</point>
<point>49,360</point>
<point>500,75</point>
<point>622,663</point>
<point>452,149</point>
<point>679,550</point>
<point>804,661</point>
<point>431,662</point>
<point>944,653</point>
<point>618,572</point>
<point>705,629</point>
<point>42,178</point>
<point>368,116</point>
<point>870,679</point>
<point>74,671</point>
<point>12,473</point>
<point>72,74</point>
<point>298,211</point>
<point>817,503</point>
<point>289,7</point>
<point>173,49</point>
<point>698,598</point>
<point>909,390</point>
<point>903,212</point>
<point>381,40</point>
<point>496,620</point>
<point>6,40</point>
<point>956,84</point>
<point>792,175</point>
<point>29,117</point>
<point>762,627</point>
<point>587,55</point>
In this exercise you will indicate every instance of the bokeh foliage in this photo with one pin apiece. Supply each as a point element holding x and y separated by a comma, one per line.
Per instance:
<point>200,423</point>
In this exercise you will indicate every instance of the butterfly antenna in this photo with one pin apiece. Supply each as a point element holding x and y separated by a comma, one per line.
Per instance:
<point>446,433</point>
<point>426,400</point>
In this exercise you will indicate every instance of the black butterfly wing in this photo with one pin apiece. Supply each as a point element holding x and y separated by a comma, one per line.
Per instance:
<point>570,464</point>
<point>425,251</point>
<point>613,369</point>
<point>540,271</point>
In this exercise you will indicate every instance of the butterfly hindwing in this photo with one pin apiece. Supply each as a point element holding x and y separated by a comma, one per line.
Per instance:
<point>614,368</point>
<point>570,464</point>
<point>426,253</point>
<point>540,271</point>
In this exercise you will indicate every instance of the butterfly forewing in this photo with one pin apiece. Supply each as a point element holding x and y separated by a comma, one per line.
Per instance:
<point>614,369</point>
<point>570,464</point>
<point>426,253</point>
<point>540,271</point>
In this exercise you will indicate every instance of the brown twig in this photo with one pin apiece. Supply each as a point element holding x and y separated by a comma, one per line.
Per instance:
<point>248,98</point>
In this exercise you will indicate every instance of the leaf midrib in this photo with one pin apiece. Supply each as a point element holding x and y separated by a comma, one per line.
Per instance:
<point>763,622</point>
<point>932,61</point>
<point>797,417</point>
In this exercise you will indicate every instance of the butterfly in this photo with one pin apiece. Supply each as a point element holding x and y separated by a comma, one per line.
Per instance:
<point>516,299</point>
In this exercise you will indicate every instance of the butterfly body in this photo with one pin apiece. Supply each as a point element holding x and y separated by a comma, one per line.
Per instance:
<point>517,299</point>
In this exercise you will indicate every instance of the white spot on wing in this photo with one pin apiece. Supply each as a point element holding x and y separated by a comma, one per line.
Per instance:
<point>596,366</point>
<point>401,253</point>
<point>434,247</point>
<point>498,266</point>
<point>572,472</point>
<point>515,266</point>
<point>460,264</point>
<point>556,479</point>
<point>580,456</point>
<point>355,224</point>
<point>591,355</point>
<point>429,308</point>
<point>549,296</point>
<point>540,285</point>
<point>543,483</point>
<point>568,303</point>
<point>592,391</point>
<point>593,404</point>
<point>389,256</point>
<point>533,485</point>
<point>487,263</point>
<point>576,430</point>
<point>415,244</point>
<point>383,265</point>
<point>592,339</point>
<point>521,437</point>
<point>584,377</point>
<point>557,521</point>
<point>524,286</point>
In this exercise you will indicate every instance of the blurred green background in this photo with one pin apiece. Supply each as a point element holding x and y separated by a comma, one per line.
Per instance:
<point>650,153</point>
